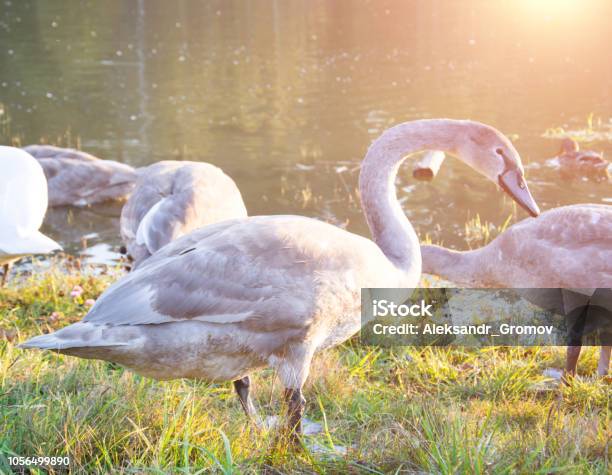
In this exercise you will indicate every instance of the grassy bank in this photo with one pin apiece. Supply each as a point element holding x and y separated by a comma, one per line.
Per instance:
<point>394,411</point>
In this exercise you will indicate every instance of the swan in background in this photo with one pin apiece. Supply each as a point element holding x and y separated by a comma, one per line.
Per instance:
<point>574,162</point>
<point>79,179</point>
<point>567,247</point>
<point>271,291</point>
<point>173,198</point>
<point>23,204</point>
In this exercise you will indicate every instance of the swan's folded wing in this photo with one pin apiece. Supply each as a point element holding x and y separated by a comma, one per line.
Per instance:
<point>140,220</point>
<point>100,175</point>
<point>182,212</point>
<point>136,207</point>
<point>163,222</point>
<point>208,276</point>
<point>73,179</point>
<point>51,151</point>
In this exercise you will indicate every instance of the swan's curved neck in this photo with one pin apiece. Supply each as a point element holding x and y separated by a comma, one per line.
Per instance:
<point>460,267</point>
<point>388,224</point>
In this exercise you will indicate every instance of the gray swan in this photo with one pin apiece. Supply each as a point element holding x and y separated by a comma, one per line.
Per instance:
<point>77,178</point>
<point>173,198</point>
<point>567,247</point>
<point>271,291</point>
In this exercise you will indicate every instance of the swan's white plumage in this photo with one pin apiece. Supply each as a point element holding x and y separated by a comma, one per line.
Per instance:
<point>23,204</point>
<point>23,196</point>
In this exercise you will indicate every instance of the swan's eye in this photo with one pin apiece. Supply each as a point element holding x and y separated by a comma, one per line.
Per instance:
<point>499,152</point>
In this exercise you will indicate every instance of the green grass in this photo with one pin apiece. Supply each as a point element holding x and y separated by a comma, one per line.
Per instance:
<point>403,410</point>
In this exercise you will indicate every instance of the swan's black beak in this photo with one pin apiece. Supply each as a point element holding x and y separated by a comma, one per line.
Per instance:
<point>513,183</point>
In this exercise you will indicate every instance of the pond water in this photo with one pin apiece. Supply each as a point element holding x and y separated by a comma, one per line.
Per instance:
<point>286,96</point>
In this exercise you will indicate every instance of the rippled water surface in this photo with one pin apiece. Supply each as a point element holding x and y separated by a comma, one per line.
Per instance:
<point>287,96</point>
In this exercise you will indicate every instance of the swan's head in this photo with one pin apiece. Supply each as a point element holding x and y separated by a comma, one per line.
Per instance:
<point>490,152</point>
<point>569,145</point>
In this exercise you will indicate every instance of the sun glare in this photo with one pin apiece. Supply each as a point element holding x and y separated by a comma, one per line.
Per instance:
<point>556,8</point>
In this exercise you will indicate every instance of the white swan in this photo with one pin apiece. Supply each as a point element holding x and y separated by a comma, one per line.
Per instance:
<point>236,296</point>
<point>567,247</point>
<point>77,178</point>
<point>173,198</point>
<point>23,204</point>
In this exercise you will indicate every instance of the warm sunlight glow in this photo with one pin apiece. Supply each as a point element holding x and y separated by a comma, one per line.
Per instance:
<point>547,9</point>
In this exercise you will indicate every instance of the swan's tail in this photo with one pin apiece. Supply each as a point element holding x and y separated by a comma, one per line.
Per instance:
<point>48,342</point>
<point>81,335</point>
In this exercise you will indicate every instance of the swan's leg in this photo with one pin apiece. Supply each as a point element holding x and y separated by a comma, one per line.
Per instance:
<point>295,410</point>
<point>242,387</point>
<point>577,321</point>
<point>293,368</point>
<point>5,274</point>
<point>604,360</point>
<point>571,361</point>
